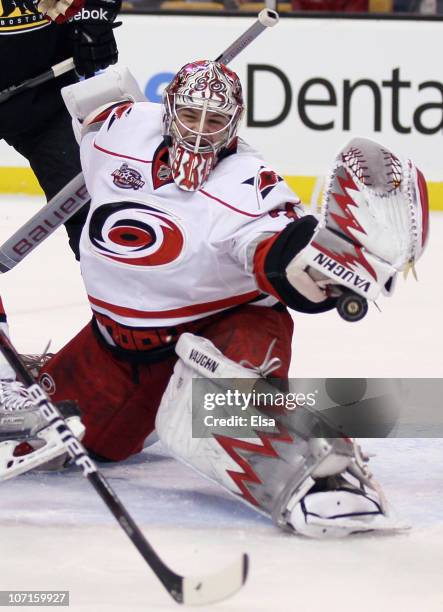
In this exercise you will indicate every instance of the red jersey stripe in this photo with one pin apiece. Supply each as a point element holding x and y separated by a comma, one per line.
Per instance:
<point>143,161</point>
<point>260,255</point>
<point>185,311</point>
<point>241,212</point>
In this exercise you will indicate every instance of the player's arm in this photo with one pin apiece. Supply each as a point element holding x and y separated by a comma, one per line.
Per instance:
<point>92,23</point>
<point>267,246</point>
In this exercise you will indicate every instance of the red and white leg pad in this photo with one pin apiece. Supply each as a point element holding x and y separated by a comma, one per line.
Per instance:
<point>318,487</point>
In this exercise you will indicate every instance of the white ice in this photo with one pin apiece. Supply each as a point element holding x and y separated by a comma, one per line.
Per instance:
<point>55,532</point>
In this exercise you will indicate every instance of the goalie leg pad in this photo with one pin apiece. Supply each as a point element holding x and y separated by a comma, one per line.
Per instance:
<point>277,473</point>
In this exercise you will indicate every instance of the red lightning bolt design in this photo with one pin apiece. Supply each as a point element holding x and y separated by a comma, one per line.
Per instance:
<point>231,445</point>
<point>345,224</point>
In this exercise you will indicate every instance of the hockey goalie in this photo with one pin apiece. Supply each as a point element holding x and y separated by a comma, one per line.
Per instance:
<point>193,252</point>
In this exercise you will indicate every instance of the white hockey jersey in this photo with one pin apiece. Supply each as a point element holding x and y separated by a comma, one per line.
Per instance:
<point>153,255</point>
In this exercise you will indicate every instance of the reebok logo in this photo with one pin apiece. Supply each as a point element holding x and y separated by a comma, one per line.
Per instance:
<point>95,14</point>
<point>203,360</point>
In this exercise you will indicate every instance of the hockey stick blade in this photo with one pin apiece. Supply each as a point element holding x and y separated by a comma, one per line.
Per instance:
<point>216,587</point>
<point>188,590</point>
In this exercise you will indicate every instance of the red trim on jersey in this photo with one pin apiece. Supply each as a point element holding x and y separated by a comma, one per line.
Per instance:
<point>261,252</point>
<point>2,308</point>
<point>119,107</point>
<point>241,212</point>
<point>143,161</point>
<point>185,311</point>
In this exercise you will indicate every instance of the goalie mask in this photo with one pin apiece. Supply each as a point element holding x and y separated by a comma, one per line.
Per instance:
<point>202,108</point>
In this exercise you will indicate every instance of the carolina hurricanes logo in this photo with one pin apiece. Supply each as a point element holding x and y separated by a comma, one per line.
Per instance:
<point>48,384</point>
<point>135,234</point>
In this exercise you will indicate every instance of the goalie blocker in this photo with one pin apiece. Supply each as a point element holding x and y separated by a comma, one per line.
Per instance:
<point>315,486</point>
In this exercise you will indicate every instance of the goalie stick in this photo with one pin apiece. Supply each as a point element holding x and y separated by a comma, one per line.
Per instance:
<point>201,590</point>
<point>74,195</point>
<point>267,18</point>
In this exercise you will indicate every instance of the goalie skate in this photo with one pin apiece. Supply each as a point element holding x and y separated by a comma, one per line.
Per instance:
<point>26,440</point>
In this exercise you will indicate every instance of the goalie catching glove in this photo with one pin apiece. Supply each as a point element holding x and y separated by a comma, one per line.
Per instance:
<point>374,224</point>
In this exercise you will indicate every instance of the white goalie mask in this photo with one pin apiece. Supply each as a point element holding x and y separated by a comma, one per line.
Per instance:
<point>202,108</point>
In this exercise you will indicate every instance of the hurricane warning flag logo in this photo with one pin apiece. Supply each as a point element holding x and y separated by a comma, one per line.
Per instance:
<point>136,234</point>
<point>19,15</point>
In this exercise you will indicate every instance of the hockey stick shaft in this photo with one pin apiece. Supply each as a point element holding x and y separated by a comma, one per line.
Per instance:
<point>57,211</point>
<point>184,590</point>
<point>81,458</point>
<point>267,18</point>
<point>54,72</point>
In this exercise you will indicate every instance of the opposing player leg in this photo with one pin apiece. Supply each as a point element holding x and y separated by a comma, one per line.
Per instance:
<point>54,156</point>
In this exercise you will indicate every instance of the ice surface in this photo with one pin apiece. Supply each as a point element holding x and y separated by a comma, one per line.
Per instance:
<point>55,532</point>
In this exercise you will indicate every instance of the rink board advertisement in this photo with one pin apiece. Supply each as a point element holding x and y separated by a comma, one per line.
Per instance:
<point>311,85</point>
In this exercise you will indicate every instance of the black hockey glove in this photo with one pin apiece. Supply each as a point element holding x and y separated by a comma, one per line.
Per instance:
<point>93,37</point>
